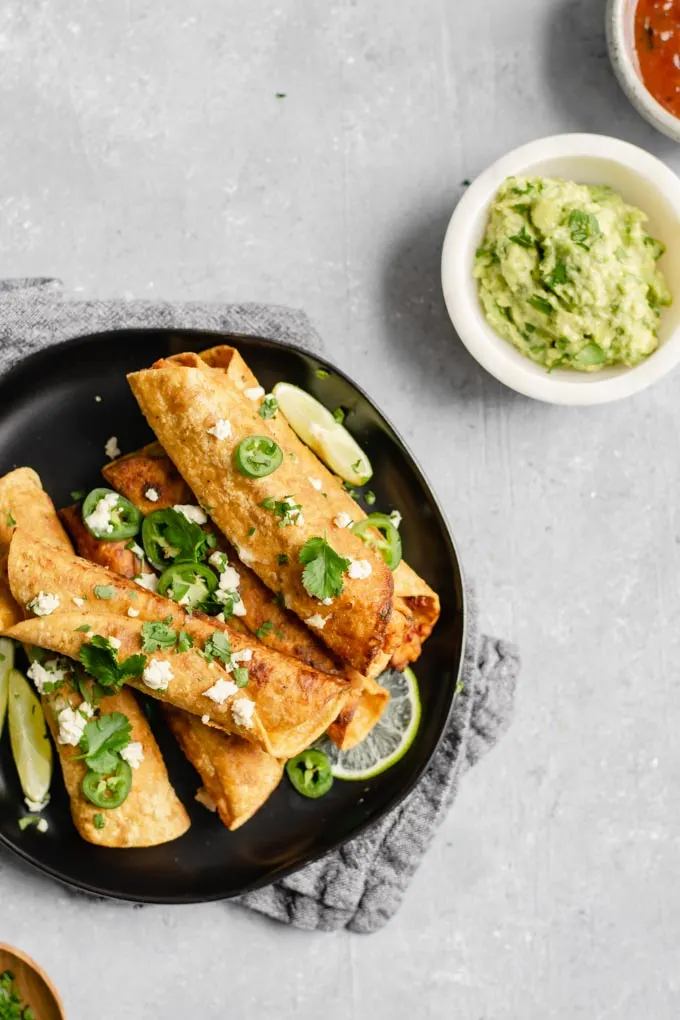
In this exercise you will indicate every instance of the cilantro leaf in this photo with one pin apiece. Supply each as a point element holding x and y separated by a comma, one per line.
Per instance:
<point>184,641</point>
<point>540,304</point>
<point>102,739</point>
<point>158,635</point>
<point>10,519</point>
<point>583,227</point>
<point>173,537</point>
<point>286,509</point>
<point>98,821</point>
<point>266,628</point>
<point>523,239</point>
<point>324,567</point>
<point>101,662</point>
<point>217,647</point>
<point>104,591</point>
<point>269,407</point>
<point>240,676</point>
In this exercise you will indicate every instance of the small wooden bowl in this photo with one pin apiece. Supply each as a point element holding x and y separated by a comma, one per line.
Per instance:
<point>33,984</point>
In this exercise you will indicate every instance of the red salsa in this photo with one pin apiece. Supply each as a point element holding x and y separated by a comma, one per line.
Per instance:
<point>657,41</point>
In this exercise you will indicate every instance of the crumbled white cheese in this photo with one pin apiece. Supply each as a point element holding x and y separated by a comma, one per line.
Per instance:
<point>152,494</point>
<point>194,514</point>
<point>254,393</point>
<point>98,399</point>
<point>359,570</point>
<point>37,805</point>
<point>205,719</point>
<point>229,578</point>
<point>78,602</point>
<point>43,604</point>
<point>133,754</point>
<point>220,691</point>
<point>218,560</point>
<point>316,483</point>
<point>395,517</point>
<point>133,612</point>
<point>221,429</point>
<point>342,520</point>
<point>71,725</point>
<point>42,825</point>
<point>157,675</point>
<point>111,448</point>
<point>136,550</point>
<point>100,518</point>
<point>318,621</point>
<point>239,609</point>
<point>299,518</point>
<point>220,617</point>
<point>148,581</point>
<point>41,675</point>
<point>245,555</point>
<point>243,656</point>
<point>204,798</point>
<point>327,602</point>
<point>242,711</point>
<point>115,642</point>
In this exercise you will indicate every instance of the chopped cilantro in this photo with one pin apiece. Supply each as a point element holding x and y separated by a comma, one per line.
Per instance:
<point>269,407</point>
<point>98,821</point>
<point>339,414</point>
<point>523,239</point>
<point>79,494</point>
<point>84,627</point>
<point>282,559</point>
<point>266,628</point>
<point>101,662</point>
<point>104,591</point>
<point>285,509</point>
<point>322,576</point>
<point>217,647</point>
<point>102,739</point>
<point>240,676</point>
<point>321,373</point>
<point>184,642</point>
<point>10,520</point>
<point>370,497</point>
<point>540,304</point>
<point>157,636</point>
<point>251,532</point>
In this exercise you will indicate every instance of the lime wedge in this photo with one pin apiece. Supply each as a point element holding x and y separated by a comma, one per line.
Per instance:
<point>6,665</point>
<point>318,429</point>
<point>390,738</point>
<point>28,735</point>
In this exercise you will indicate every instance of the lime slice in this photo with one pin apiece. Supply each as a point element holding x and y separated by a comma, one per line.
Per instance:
<point>318,429</point>
<point>28,735</point>
<point>6,665</point>
<point>390,738</point>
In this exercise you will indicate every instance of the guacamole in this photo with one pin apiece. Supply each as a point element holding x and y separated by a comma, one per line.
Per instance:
<point>568,275</point>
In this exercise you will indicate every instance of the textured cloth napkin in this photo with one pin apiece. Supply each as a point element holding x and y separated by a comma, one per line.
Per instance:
<point>361,885</point>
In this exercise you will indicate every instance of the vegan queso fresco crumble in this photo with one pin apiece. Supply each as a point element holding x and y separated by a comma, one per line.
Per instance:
<point>568,274</point>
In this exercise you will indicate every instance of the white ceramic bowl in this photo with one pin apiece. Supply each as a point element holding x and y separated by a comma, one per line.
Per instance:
<point>643,181</point>
<point>621,44</point>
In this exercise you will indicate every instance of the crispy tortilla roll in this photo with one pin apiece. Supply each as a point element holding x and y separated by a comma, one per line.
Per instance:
<point>182,399</point>
<point>294,703</point>
<point>238,776</point>
<point>281,726</point>
<point>151,813</point>
<point>414,598</point>
<point>276,627</point>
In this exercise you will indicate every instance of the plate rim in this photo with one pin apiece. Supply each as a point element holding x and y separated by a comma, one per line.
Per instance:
<point>418,773</point>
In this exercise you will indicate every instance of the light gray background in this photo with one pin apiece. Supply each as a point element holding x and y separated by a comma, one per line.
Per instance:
<point>144,153</point>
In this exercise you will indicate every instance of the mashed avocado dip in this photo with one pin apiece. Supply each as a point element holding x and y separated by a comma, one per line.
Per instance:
<point>568,275</point>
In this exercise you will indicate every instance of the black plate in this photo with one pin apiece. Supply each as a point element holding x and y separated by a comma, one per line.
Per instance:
<point>52,422</point>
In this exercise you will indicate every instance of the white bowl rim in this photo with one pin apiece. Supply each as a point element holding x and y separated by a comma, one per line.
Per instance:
<point>460,290</point>
<point>624,65</point>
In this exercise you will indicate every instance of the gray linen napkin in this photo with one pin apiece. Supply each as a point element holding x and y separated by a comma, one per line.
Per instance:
<point>361,885</point>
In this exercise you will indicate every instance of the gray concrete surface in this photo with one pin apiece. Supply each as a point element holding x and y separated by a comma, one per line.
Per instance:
<point>144,152</point>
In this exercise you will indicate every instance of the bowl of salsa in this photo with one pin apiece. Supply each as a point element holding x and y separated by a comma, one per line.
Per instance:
<point>644,45</point>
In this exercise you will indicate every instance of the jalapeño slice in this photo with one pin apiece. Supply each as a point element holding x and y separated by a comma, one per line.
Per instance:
<point>118,520</point>
<point>257,456</point>
<point>108,791</point>
<point>310,773</point>
<point>187,583</point>
<point>389,545</point>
